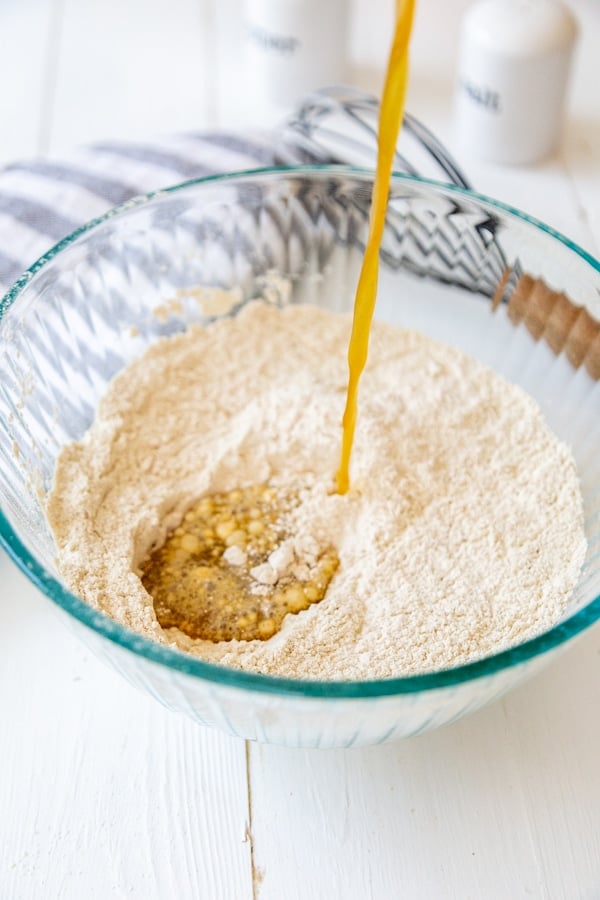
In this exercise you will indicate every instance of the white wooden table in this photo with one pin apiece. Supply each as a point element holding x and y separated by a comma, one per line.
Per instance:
<point>105,794</point>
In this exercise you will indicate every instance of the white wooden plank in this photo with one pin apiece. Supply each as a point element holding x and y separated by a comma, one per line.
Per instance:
<point>505,804</point>
<point>26,28</point>
<point>103,793</point>
<point>131,71</point>
<point>556,742</point>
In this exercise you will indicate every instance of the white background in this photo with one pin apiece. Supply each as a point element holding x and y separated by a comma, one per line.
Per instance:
<point>105,794</point>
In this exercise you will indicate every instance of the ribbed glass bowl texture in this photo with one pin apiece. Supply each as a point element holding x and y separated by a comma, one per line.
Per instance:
<point>458,266</point>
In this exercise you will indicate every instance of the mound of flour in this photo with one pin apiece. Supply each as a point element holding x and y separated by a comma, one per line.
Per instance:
<point>462,533</point>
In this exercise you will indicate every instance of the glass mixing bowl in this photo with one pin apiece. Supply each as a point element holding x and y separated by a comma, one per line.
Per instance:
<point>456,265</point>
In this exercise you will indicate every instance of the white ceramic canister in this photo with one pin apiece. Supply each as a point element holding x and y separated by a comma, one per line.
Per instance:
<point>289,48</point>
<point>513,71</point>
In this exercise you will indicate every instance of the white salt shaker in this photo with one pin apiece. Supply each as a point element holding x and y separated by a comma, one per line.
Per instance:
<point>290,47</point>
<point>513,70</point>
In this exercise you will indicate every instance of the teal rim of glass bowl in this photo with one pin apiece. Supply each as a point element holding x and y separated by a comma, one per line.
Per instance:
<point>237,678</point>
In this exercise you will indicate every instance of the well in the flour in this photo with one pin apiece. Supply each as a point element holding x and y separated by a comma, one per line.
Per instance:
<point>232,570</point>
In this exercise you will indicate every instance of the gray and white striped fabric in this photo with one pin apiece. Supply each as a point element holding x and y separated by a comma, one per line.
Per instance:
<point>43,200</point>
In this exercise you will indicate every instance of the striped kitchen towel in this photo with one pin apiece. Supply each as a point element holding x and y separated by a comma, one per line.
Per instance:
<point>43,200</point>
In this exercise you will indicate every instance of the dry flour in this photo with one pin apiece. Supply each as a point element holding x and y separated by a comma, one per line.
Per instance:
<point>462,533</point>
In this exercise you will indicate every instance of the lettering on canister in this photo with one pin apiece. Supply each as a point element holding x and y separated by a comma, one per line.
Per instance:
<point>481,95</point>
<point>271,42</point>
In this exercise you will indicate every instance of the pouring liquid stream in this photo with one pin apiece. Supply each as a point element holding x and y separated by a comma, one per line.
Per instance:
<point>203,580</point>
<point>390,118</point>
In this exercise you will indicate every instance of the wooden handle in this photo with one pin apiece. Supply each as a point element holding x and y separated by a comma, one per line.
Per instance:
<point>553,317</point>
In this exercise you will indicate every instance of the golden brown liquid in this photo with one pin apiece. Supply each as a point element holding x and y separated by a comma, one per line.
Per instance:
<point>198,590</point>
<point>390,117</point>
<point>191,578</point>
